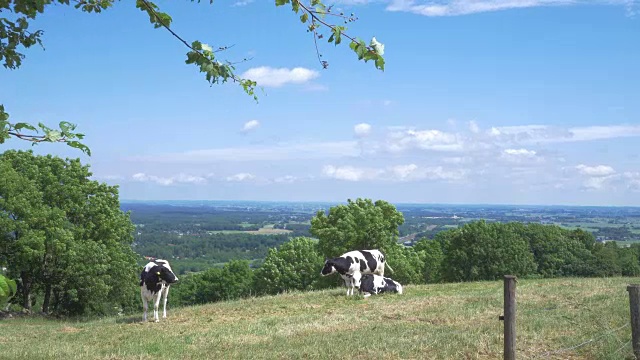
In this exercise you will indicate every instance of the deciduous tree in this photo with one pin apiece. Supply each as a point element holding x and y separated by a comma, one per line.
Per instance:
<point>359,225</point>
<point>487,251</point>
<point>64,235</point>
<point>294,265</point>
<point>234,280</point>
<point>430,251</point>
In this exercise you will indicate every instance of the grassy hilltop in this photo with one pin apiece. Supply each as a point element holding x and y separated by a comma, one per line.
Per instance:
<point>448,321</point>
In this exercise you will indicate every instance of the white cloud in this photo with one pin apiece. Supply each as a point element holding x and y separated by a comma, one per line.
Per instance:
<point>520,156</point>
<point>241,177</point>
<point>287,179</point>
<point>414,172</point>
<point>362,129</point>
<point>408,172</point>
<point>242,3</point>
<point>597,177</point>
<point>166,181</point>
<point>404,171</point>
<point>633,180</point>
<point>519,152</point>
<point>590,133</point>
<point>595,183</point>
<point>423,139</point>
<point>539,134</point>
<point>599,170</point>
<point>523,156</point>
<point>526,134</point>
<point>276,77</point>
<point>349,173</point>
<point>466,7</point>
<point>457,160</point>
<point>250,125</point>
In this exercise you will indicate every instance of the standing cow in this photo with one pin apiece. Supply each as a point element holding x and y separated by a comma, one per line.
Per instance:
<point>351,265</point>
<point>376,284</point>
<point>155,280</point>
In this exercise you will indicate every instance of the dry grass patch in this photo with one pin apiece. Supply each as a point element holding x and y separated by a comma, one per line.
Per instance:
<point>69,329</point>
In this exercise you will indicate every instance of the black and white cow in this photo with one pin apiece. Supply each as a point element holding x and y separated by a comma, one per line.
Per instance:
<point>376,284</point>
<point>351,265</point>
<point>155,280</point>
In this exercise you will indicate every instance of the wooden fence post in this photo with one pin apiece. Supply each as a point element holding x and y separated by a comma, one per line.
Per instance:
<point>509,317</point>
<point>634,306</point>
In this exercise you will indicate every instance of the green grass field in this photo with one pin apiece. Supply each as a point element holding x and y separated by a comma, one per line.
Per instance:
<point>449,321</point>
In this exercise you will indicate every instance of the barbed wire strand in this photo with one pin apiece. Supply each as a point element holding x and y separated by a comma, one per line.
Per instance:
<point>622,347</point>
<point>548,353</point>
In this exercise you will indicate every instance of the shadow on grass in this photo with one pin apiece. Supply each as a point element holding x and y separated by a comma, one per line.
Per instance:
<point>130,320</point>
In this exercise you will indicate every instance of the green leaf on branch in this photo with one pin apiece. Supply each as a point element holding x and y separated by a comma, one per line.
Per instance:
<point>20,126</point>
<point>4,287</point>
<point>380,63</point>
<point>75,144</point>
<point>157,18</point>
<point>336,36</point>
<point>53,135</point>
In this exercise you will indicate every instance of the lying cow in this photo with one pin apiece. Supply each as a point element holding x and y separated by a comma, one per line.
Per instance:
<point>376,284</point>
<point>353,264</point>
<point>155,280</point>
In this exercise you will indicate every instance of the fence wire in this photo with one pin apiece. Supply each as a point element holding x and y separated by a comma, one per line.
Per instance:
<point>622,347</point>
<point>560,351</point>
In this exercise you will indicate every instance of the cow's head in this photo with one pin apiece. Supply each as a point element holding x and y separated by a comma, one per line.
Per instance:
<point>164,272</point>
<point>328,268</point>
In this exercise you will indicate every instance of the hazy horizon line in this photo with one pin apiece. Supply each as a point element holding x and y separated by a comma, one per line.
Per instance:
<point>391,202</point>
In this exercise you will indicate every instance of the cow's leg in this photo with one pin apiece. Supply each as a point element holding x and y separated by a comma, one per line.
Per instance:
<point>156,305</point>
<point>355,280</point>
<point>347,284</point>
<point>352,283</point>
<point>145,304</point>
<point>165,295</point>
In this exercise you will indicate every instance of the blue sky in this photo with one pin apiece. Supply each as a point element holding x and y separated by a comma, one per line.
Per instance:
<point>487,101</point>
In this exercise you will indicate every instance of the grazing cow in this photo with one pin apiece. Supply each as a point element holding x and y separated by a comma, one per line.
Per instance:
<point>376,284</point>
<point>351,265</point>
<point>155,280</point>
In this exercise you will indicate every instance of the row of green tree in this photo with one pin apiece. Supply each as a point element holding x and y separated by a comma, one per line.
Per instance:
<point>476,251</point>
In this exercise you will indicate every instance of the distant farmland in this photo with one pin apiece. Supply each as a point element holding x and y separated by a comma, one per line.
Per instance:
<point>265,230</point>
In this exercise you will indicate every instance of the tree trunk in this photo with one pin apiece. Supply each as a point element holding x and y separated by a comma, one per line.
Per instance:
<point>56,299</point>
<point>47,298</point>
<point>26,290</point>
